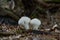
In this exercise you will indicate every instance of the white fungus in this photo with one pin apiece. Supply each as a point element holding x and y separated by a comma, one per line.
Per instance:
<point>24,21</point>
<point>35,23</point>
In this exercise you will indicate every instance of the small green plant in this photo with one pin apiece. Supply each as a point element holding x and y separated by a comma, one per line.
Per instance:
<point>0,28</point>
<point>19,31</point>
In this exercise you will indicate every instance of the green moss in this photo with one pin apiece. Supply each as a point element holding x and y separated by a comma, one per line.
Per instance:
<point>19,31</point>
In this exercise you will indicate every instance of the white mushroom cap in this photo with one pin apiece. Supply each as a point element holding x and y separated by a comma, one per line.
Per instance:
<point>35,23</point>
<point>24,21</point>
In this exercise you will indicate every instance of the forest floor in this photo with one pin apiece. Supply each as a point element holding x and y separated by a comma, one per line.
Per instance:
<point>10,32</point>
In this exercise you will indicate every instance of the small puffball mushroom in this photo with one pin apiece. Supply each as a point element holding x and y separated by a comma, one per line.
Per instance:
<point>35,23</point>
<point>24,21</point>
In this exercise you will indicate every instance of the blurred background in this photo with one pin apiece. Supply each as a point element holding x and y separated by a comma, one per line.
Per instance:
<point>48,11</point>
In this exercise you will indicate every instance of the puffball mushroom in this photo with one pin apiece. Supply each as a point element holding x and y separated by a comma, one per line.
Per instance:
<point>24,21</point>
<point>35,23</point>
